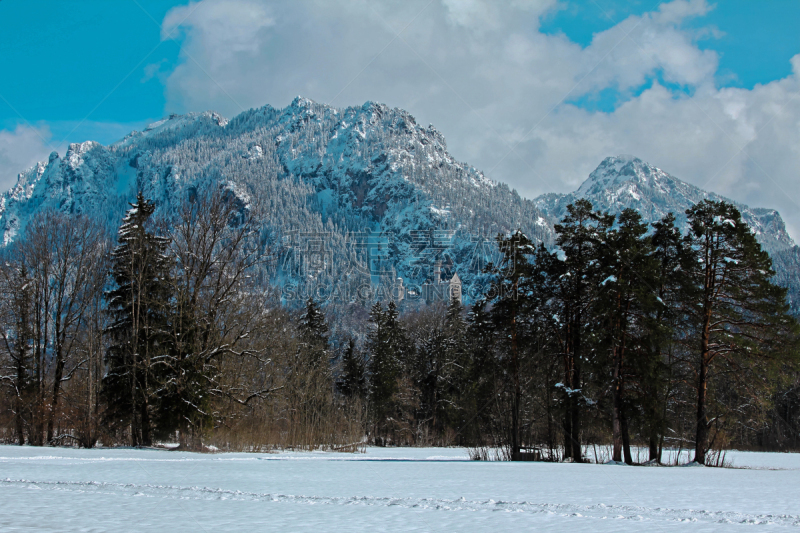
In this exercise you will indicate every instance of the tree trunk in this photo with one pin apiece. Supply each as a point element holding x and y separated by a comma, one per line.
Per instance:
<point>19,404</point>
<point>515,444</point>
<point>567,424</point>
<point>653,452</point>
<point>577,453</point>
<point>572,440</point>
<point>19,426</point>
<point>145,422</point>
<point>135,435</point>
<point>616,412</point>
<point>59,374</point>
<point>701,438</point>
<point>626,439</point>
<point>568,430</point>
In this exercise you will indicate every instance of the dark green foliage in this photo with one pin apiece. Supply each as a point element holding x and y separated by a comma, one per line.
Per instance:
<point>625,301</point>
<point>513,329</point>
<point>437,370</point>
<point>15,309</point>
<point>139,307</point>
<point>581,238</point>
<point>739,318</point>
<point>621,311</point>
<point>388,350</point>
<point>314,334</point>
<point>353,379</point>
<point>656,365</point>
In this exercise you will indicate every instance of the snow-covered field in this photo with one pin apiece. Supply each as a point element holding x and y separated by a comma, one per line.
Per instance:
<point>57,489</point>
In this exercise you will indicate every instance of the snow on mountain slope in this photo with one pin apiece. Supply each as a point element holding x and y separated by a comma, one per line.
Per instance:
<point>305,169</point>
<point>84,181</point>
<point>379,191</point>
<point>627,182</point>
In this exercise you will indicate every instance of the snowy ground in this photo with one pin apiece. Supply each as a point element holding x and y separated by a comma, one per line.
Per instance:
<point>56,489</point>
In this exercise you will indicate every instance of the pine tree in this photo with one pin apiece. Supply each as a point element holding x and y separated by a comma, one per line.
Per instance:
<point>428,373</point>
<point>481,369</point>
<point>15,309</point>
<point>314,334</point>
<point>387,347</point>
<point>454,378</point>
<point>576,276</point>
<point>740,317</point>
<point>140,308</point>
<point>656,366</point>
<point>510,318</point>
<point>626,296</point>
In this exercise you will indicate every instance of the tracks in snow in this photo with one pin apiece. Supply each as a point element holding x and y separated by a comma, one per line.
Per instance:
<point>600,511</point>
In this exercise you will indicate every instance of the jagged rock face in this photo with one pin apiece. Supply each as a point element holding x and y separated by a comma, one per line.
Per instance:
<point>308,168</point>
<point>627,182</point>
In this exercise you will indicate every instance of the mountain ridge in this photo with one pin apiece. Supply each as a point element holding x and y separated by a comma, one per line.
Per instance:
<point>311,169</point>
<point>626,181</point>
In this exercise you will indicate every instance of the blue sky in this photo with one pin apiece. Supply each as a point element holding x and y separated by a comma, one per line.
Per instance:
<point>759,37</point>
<point>533,92</point>
<point>94,68</point>
<point>69,61</point>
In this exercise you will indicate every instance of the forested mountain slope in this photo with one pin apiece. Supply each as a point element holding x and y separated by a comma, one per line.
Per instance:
<point>308,171</point>
<point>354,196</point>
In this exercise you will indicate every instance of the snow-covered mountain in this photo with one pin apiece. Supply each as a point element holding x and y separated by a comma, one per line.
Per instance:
<point>379,191</point>
<point>628,182</point>
<point>354,196</point>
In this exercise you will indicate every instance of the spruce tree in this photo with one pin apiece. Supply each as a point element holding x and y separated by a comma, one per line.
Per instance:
<point>511,321</point>
<point>481,369</point>
<point>15,333</point>
<point>314,334</point>
<point>655,368</point>
<point>352,382</point>
<point>388,350</point>
<point>139,306</point>
<point>456,363</point>
<point>575,278</point>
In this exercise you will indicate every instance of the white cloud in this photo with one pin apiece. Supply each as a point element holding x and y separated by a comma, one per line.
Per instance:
<point>499,89</point>
<point>483,15</point>
<point>21,148</point>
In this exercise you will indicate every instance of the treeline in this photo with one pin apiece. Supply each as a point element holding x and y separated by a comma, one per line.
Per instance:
<point>624,334</point>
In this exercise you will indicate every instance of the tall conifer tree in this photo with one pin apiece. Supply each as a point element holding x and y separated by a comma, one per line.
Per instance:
<point>740,317</point>
<point>139,307</point>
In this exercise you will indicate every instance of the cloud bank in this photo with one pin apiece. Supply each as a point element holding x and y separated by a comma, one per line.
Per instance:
<point>21,148</point>
<point>535,110</point>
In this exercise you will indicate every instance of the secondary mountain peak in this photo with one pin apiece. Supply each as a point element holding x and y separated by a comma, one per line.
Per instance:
<point>626,181</point>
<point>615,170</point>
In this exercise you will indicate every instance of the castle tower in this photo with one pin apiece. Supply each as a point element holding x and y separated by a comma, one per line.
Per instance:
<point>455,288</point>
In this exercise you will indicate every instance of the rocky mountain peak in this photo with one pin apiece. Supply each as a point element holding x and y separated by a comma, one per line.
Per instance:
<point>624,181</point>
<point>310,168</point>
